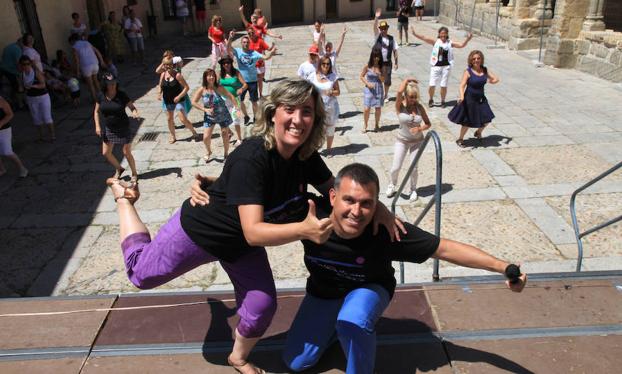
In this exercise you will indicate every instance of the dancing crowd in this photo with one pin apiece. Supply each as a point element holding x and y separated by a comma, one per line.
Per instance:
<point>261,197</point>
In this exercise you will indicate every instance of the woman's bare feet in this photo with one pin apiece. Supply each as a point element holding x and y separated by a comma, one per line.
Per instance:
<point>121,190</point>
<point>244,367</point>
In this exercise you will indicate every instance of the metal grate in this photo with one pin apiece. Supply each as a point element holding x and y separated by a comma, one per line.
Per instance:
<point>148,137</point>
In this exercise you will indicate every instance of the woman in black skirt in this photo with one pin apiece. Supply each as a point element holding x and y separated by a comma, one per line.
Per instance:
<point>473,109</point>
<point>113,125</point>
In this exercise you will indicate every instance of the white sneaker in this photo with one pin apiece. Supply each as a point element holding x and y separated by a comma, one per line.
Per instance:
<point>390,190</point>
<point>413,196</point>
<point>23,173</point>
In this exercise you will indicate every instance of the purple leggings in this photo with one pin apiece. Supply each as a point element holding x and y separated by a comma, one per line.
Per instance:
<point>151,263</point>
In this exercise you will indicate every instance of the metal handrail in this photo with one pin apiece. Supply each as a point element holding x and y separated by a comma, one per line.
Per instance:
<point>573,214</point>
<point>436,199</point>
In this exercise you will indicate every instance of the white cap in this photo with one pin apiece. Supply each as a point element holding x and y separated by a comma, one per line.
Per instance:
<point>177,60</point>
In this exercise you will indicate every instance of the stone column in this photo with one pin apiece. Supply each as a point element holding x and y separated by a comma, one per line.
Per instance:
<point>594,19</point>
<point>548,9</point>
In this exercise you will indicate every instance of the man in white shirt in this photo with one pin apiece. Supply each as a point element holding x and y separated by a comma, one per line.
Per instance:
<point>307,69</point>
<point>134,31</point>
<point>389,48</point>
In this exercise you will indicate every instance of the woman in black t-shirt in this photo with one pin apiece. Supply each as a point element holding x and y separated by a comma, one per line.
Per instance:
<point>113,125</point>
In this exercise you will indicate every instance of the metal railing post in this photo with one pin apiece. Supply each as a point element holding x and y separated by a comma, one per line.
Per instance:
<point>573,215</point>
<point>436,200</point>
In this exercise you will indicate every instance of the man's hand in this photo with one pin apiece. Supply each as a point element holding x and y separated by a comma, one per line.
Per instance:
<point>378,12</point>
<point>518,286</point>
<point>198,196</point>
<point>314,229</point>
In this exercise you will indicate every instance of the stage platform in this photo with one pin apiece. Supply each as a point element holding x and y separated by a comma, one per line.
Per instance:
<point>561,323</point>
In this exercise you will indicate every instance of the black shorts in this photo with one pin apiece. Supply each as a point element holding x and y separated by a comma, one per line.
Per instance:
<point>419,7</point>
<point>252,92</point>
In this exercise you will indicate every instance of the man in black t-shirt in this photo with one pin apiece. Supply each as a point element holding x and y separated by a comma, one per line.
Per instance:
<point>351,280</point>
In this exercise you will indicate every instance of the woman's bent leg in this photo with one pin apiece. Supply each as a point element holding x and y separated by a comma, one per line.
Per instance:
<point>255,294</point>
<point>399,151</point>
<point>171,253</point>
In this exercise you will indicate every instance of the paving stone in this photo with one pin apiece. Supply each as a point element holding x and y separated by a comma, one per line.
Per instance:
<point>547,220</point>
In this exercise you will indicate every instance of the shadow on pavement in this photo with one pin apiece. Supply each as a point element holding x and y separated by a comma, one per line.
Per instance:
<point>44,217</point>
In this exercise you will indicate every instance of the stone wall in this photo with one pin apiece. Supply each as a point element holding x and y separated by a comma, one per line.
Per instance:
<point>600,53</point>
<point>519,25</point>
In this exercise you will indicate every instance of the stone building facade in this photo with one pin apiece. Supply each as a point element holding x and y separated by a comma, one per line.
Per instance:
<point>581,34</point>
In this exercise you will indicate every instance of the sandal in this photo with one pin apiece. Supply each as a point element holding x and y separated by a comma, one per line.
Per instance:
<point>207,157</point>
<point>134,180</point>
<point>118,173</point>
<point>478,135</point>
<point>130,192</point>
<point>171,140</point>
<point>238,367</point>
<point>460,143</point>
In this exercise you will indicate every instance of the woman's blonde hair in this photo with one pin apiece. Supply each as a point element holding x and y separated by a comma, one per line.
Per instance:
<point>291,92</point>
<point>412,89</point>
<point>216,18</point>
<point>167,61</point>
<point>168,53</point>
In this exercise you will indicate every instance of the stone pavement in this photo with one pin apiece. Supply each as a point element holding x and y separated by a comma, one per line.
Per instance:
<point>554,130</point>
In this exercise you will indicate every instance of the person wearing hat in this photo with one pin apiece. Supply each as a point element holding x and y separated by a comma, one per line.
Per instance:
<point>389,49</point>
<point>112,124</point>
<point>307,69</point>
<point>247,60</point>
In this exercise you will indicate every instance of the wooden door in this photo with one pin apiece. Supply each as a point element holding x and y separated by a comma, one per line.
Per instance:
<point>287,11</point>
<point>26,11</point>
<point>331,9</point>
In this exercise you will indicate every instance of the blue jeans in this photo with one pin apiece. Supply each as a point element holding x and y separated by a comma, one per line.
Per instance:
<point>352,319</point>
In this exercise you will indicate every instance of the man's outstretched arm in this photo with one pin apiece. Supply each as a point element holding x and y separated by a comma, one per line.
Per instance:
<point>473,257</point>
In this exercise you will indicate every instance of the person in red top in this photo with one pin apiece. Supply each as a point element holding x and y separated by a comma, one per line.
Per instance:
<point>260,29</point>
<point>217,35</point>
<point>258,44</point>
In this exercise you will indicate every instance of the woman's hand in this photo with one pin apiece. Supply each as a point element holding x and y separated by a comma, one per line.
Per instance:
<point>159,96</point>
<point>240,91</point>
<point>135,114</point>
<point>98,131</point>
<point>385,218</point>
<point>314,229</point>
<point>176,99</point>
<point>209,111</point>
<point>415,130</point>
<point>370,86</point>
<point>198,196</point>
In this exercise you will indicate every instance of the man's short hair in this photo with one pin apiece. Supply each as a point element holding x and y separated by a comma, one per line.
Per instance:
<point>359,173</point>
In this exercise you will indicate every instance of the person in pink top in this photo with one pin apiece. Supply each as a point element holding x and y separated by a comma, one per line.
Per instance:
<point>217,35</point>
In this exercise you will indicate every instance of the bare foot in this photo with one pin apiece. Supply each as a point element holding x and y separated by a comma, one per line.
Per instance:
<point>244,367</point>
<point>121,190</point>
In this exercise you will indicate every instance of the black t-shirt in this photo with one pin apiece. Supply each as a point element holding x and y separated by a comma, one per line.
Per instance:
<point>252,175</point>
<point>340,265</point>
<point>112,112</point>
<point>402,15</point>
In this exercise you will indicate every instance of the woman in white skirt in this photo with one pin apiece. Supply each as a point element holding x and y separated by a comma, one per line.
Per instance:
<point>6,149</point>
<point>325,80</point>
<point>411,114</point>
<point>37,97</point>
